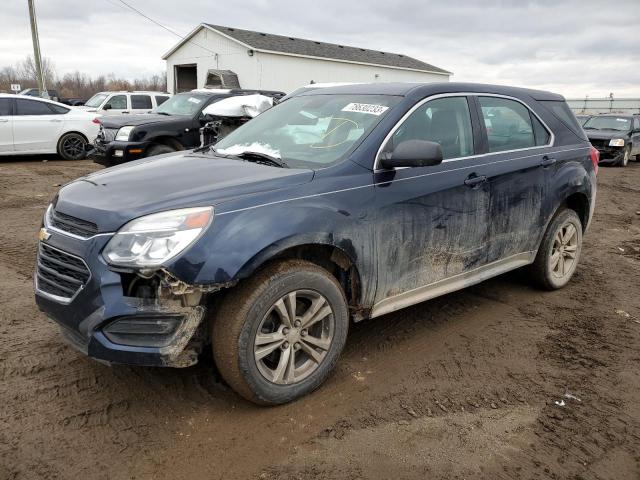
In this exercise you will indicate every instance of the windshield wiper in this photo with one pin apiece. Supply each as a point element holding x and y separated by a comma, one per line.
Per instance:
<point>163,113</point>
<point>259,157</point>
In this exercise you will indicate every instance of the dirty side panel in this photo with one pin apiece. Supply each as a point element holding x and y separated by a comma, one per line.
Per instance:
<point>430,225</point>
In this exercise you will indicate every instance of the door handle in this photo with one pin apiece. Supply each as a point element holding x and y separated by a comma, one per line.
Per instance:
<point>125,112</point>
<point>55,120</point>
<point>547,161</point>
<point>474,180</point>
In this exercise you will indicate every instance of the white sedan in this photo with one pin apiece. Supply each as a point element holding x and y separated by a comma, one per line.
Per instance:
<point>35,125</point>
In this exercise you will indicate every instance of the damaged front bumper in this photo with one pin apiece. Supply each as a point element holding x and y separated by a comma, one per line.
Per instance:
<point>162,328</point>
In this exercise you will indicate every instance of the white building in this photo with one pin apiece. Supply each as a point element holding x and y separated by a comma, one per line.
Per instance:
<point>230,57</point>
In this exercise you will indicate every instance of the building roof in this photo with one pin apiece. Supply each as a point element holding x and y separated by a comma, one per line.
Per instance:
<point>267,42</point>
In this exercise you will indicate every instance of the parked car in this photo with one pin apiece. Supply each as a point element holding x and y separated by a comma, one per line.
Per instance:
<point>36,125</point>
<point>617,137</point>
<point>269,243</point>
<point>34,92</point>
<point>173,126</point>
<point>583,118</point>
<point>122,103</point>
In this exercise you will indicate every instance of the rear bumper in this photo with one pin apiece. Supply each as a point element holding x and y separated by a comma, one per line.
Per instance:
<point>85,319</point>
<point>115,153</point>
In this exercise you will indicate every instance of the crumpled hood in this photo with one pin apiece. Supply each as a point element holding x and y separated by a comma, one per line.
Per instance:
<point>114,196</point>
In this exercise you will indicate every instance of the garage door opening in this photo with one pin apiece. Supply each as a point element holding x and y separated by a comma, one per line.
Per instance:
<point>186,78</point>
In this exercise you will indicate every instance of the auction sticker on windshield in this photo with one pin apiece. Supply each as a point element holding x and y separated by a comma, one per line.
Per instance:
<point>194,100</point>
<point>366,108</point>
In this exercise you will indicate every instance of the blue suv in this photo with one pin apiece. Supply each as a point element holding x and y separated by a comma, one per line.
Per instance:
<point>337,205</point>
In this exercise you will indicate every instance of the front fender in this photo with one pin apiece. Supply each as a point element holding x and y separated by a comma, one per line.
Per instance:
<point>240,241</point>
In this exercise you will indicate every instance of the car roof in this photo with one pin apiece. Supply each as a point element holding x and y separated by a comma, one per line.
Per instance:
<point>427,89</point>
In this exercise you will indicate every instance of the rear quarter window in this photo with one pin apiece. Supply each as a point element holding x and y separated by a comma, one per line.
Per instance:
<point>562,111</point>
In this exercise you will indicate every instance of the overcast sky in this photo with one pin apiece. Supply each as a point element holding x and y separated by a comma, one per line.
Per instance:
<point>575,48</point>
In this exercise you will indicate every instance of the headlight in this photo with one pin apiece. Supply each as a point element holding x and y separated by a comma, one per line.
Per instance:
<point>124,133</point>
<point>152,240</point>
<point>616,142</point>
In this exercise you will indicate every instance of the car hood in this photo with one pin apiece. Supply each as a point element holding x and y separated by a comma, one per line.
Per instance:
<point>117,121</point>
<point>605,134</point>
<point>114,196</point>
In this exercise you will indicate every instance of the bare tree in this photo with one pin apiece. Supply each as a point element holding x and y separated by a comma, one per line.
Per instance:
<point>76,84</point>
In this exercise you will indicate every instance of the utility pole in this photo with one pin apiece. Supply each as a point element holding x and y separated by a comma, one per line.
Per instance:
<point>36,51</point>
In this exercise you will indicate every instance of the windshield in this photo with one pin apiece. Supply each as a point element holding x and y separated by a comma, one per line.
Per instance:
<point>183,104</point>
<point>310,131</point>
<point>96,100</point>
<point>608,123</point>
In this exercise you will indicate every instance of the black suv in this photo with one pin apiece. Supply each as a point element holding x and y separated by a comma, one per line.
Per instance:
<point>617,137</point>
<point>337,205</point>
<point>174,125</point>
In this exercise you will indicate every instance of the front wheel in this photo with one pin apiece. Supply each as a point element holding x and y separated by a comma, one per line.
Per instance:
<point>71,146</point>
<point>559,252</point>
<point>626,155</point>
<point>279,335</point>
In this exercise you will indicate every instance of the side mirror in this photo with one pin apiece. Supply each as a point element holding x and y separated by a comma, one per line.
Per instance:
<point>107,107</point>
<point>413,153</point>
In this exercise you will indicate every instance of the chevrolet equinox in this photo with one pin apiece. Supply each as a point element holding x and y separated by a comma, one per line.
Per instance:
<point>337,205</point>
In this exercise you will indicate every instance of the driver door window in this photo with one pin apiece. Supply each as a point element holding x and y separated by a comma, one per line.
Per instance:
<point>118,104</point>
<point>446,121</point>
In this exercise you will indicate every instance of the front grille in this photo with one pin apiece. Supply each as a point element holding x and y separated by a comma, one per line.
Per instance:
<point>73,225</point>
<point>600,143</point>
<point>59,273</point>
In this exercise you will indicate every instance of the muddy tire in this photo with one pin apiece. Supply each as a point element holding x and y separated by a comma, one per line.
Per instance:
<point>71,146</point>
<point>278,335</point>
<point>559,251</point>
<point>158,150</point>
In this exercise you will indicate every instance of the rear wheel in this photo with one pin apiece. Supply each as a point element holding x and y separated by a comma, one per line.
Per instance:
<point>279,335</point>
<point>71,146</point>
<point>158,150</point>
<point>559,252</point>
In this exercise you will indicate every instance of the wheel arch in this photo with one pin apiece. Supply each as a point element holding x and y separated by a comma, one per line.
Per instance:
<point>328,256</point>
<point>167,140</point>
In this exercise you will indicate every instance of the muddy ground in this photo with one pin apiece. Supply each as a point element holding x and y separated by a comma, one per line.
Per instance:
<point>466,386</point>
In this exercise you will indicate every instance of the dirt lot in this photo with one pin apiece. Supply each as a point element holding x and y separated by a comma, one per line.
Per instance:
<point>466,386</point>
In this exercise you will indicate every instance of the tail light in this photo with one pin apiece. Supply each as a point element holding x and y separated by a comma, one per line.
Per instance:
<point>96,121</point>
<point>595,157</point>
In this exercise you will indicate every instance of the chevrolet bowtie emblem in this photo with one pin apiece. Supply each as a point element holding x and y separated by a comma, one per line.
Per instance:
<point>43,235</point>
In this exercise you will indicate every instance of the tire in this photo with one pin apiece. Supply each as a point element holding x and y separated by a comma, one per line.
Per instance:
<point>638,157</point>
<point>626,155</point>
<point>71,146</point>
<point>159,150</point>
<point>257,368</point>
<point>545,272</point>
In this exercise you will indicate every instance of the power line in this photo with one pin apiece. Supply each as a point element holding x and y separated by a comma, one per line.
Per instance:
<point>170,30</point>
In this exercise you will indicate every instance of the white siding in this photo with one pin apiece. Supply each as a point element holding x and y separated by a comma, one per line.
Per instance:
<point>284,72</point>
<point>278,72</point>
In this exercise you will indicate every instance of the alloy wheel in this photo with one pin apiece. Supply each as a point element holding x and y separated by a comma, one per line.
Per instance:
<point>564,250</point>
<point>73,146</point>
<point>294,337</point>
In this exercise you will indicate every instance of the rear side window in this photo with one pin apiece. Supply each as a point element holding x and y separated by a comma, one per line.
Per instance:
<point>564,113</point>
<point>446,121</point>
<point>5,107</point>
<point>141,101</point>
<point>507,123</point>
<point>57,109</point>
<point>32,107</point>
<point>541,134</point>
<point>160,99</point>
